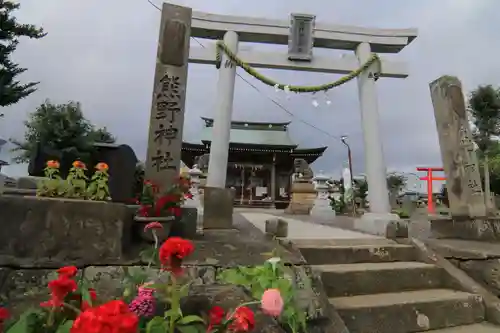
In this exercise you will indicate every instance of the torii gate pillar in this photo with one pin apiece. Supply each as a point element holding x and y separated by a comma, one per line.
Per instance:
<point>375,168</point>
<point>429,178</point>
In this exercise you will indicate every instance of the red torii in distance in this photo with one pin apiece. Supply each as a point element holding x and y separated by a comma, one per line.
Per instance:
<point>429,179</point>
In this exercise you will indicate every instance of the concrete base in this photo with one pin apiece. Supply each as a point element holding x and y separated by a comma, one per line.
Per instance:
<point>376,224</point>
<point>486,229</point>
<point>218,208</point>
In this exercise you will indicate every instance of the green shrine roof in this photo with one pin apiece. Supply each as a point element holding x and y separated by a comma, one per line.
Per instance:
<point>253,133</point>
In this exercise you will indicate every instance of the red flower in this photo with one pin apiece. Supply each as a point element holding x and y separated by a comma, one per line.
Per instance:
<point>60,288</point>
<point>68,271</point>
<point>188,195</point>
<point>153,186</point>
<point>134,201</point>
<point>172,251</point>
<point>215,317</point>
<point>93,294</point>
<point>4,315</point>
<point>243,320</point>
<point>144,210</point>
<point>170,199</point>
<point>153,225</point>
<point>113,316</point>
<point>85,305</point>
<point>177,211</point>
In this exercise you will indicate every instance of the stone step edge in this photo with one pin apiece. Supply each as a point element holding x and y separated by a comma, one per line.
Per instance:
<point>352,247</point>
<point>400,298</point>
<point>373,267</point>
<point>483,327</point>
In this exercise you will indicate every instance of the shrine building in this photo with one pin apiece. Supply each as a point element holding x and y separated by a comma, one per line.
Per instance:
<point>260,164</point>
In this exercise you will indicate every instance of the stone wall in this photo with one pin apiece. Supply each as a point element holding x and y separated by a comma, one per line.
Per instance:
<point>27,262</point>
<point>21,288</point>
<point>480,260</point>
<point>47,232</point>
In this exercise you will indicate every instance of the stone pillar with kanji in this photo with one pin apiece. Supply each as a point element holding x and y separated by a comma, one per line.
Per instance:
<point>169,95</point>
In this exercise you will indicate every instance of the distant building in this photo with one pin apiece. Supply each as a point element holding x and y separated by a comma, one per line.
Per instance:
<point>260,165</point>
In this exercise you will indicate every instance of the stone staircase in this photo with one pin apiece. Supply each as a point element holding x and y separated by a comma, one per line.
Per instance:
<point>378,286</point>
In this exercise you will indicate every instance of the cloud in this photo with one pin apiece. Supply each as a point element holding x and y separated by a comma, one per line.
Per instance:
<point>102,53</point>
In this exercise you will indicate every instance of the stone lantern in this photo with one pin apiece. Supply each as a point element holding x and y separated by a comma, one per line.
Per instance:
<point>322,208</point>
<point>195,175</point>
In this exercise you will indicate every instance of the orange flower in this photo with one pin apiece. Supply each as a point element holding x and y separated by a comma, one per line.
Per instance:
<point>53,164</point>
<point>79,165</point>
<point>102,166</point>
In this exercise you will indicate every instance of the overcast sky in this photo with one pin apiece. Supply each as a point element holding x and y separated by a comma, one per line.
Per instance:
<point>102,54</point>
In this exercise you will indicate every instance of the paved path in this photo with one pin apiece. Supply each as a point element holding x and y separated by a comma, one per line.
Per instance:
<point>298,229</point>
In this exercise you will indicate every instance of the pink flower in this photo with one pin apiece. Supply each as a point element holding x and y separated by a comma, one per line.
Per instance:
<point>272,302</point>
<point>144,304</point>
<point>153,225</point>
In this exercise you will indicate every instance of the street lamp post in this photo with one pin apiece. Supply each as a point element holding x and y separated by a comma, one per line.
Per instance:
<point>349,160</point>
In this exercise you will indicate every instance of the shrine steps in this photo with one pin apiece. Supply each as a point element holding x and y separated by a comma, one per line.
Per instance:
<point>379,286</point>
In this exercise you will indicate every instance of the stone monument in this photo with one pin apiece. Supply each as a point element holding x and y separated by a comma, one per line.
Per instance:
<point>463,181</point>
<point>465,194</point>
<point>303,193</point>
<point>169,95</point>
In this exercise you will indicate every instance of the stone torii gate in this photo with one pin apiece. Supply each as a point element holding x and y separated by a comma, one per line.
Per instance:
<point>362,41</point>
<point>301,34</point>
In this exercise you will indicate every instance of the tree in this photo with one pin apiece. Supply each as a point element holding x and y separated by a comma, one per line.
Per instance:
<point>12,90</point>
<point>61,127</point>
<point>484,109</point>
<point>361,190</point>
<point>395,183</point>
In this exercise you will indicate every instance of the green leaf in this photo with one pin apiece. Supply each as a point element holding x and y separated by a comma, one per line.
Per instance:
<point>86,295</point>
<point>184,290</point>
<point>25,324</point>
<point>190,328</point>
<point>155,286</point>
<point>65,327</point>
<point>156,325</point>
<point>174,313</point>
<point>190,319</point>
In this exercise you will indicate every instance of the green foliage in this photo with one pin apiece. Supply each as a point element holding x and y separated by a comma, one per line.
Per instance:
<point>50,320</point>
<point>98,188</point>
<point>403,214</point>
<point>339,205</point>
<point>29,322</point>
<point>61,127</point>
<point>52,186</point>
<point>75,185</point>
<point>273,274</point>
<point>77,181</point>
<point>361,189</point>
<point>395,182</point>
<point>11,89</point>
<point>484,108</point>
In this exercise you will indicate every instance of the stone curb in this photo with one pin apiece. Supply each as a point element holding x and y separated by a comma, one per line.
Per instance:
<point>460,279</point>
